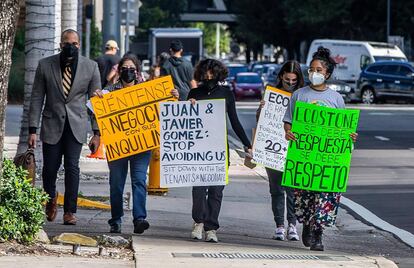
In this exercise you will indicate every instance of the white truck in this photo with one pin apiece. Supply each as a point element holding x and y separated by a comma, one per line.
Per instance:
<point>160,39</point>
<point>353,56</point>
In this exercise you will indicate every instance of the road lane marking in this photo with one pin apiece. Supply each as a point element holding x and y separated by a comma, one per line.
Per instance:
<point>366,215</point>
<point>381,138</point>
<point>380,114</point>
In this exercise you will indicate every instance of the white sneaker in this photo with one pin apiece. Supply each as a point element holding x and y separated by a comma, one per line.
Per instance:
<point>280,233</point>
<point>211,236</point>
<point>197,232</point>
<point>292,234</point>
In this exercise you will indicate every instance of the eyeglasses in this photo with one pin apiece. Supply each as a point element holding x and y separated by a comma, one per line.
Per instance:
<point>128,68</point>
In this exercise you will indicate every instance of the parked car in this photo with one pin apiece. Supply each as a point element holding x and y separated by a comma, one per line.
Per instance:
<point>269,73</point>
<point>234,69</point>
<point>247,84</point>
<point>386,80</point>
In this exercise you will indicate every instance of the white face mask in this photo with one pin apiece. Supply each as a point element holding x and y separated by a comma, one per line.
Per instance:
<point>316,79</point>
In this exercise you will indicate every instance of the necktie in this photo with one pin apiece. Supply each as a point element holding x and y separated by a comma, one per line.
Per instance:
<point>67,80</point>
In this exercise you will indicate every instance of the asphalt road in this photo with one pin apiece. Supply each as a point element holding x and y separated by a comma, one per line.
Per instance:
<point>382,170</point>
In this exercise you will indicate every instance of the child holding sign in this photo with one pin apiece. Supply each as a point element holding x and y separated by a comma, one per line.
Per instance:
<point>316,210</point>
<point>290,78</point>
<point>129,70</point>
<point>207,199</point>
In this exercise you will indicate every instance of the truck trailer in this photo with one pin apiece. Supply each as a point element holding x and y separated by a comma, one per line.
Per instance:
<point>160,39</point>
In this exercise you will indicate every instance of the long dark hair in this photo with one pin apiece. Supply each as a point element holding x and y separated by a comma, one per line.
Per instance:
<point>217,68</point>
<point>291,66</point>
<point>324,55</point>
<point>137,63</point>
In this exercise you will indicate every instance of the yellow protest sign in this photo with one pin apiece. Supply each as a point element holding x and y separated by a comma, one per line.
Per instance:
<point>128,118</point>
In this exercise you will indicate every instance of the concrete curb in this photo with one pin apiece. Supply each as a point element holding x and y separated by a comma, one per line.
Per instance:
<point>368,217</point>
<point>135,251</point>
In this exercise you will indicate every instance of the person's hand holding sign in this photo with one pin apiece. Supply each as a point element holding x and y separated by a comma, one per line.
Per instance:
<point>98,93</point>
<point>354,137</point>
<point>262,104</point>
<point>193,101</point>
<point>289,135</point>
<point>175,93</point>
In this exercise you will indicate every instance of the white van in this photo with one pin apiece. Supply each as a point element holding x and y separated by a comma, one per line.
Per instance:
<point>353,56</point>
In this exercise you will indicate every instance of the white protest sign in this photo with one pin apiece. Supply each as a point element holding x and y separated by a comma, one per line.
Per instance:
<point>270,145</point>
<point>193,145</point>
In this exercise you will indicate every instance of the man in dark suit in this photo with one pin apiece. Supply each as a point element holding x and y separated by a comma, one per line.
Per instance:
<point>66,80</point>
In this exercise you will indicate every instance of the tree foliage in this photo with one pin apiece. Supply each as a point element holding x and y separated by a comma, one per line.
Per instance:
<point>287,22</point>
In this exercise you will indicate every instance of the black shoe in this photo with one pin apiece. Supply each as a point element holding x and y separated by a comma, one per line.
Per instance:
<point>116,228</point>
<point>306,236</point>
<point>140,226</point>
<point>316,243</point>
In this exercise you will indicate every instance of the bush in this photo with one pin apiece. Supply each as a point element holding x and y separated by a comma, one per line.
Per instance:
<point>21,205</point>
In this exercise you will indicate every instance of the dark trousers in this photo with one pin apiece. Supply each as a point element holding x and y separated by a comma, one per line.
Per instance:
<point>206,205</point>
<point>70,149</point>
<point>277,192</point>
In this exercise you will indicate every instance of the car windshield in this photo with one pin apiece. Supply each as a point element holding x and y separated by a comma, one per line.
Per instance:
<point>235,70</point>
<point>383,58</point>
<point>248,79</point>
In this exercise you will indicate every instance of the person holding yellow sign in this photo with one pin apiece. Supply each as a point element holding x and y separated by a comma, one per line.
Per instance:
<point>129,70</point>
<point>316,210</point>
<point>290,78</point>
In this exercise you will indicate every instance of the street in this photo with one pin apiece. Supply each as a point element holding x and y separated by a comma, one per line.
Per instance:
<point>382,170</point>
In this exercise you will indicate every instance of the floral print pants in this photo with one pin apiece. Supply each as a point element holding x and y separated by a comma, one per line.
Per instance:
<point>316,209</point>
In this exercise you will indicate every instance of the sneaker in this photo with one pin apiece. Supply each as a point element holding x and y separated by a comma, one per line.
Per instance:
<point>115,228</point>
<point>197,232</point>
<point>211,236</point>
<point>292,234</point>
<point>140,226</point>
<point>280,233</point>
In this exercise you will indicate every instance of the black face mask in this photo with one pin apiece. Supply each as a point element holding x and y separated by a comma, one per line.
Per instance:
<point>128,75</point>
<point>209,83</point>
<point>70,51</point>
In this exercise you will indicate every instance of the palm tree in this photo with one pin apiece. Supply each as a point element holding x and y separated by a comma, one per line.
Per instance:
<point>9,13</point>
<point>43,28</point>
<point>69,14</point>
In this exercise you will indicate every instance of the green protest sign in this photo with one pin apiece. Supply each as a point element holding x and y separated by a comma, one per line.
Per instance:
<point>320,158</point>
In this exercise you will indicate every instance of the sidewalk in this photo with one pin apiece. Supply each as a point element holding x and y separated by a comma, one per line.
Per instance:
<point>245,234</point>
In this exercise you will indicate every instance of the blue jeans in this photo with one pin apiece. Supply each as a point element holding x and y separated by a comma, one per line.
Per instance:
<point>118,170</point>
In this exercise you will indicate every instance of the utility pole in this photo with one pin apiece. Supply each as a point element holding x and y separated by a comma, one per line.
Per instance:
<point>111,21</point>
<point>388,19</point>
<point>88,20</point>
<point>127,26</point>
<point>217,40</point>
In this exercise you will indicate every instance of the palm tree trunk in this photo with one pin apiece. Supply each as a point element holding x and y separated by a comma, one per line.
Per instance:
<point>9,14</point>
<point>43,28</point>
<point>69,14</point>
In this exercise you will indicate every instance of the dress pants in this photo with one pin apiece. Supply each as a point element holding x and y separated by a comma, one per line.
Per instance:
<point>70,149</point>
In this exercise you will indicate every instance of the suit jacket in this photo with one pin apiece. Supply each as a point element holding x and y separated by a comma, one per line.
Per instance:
<point>57,109</point>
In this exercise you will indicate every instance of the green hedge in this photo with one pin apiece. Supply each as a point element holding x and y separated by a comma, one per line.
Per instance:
<point>21,205</point>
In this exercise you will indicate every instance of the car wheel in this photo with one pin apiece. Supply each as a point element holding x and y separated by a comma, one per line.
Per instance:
<point>368,96</point>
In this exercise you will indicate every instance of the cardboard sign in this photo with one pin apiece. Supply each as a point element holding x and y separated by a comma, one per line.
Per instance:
<point>193,143</point>
<point>320,158</point>
<point>270,145</point>
<point>128,118</point>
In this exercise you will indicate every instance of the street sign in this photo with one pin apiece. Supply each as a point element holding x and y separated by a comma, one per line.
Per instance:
<point>133,9</point>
